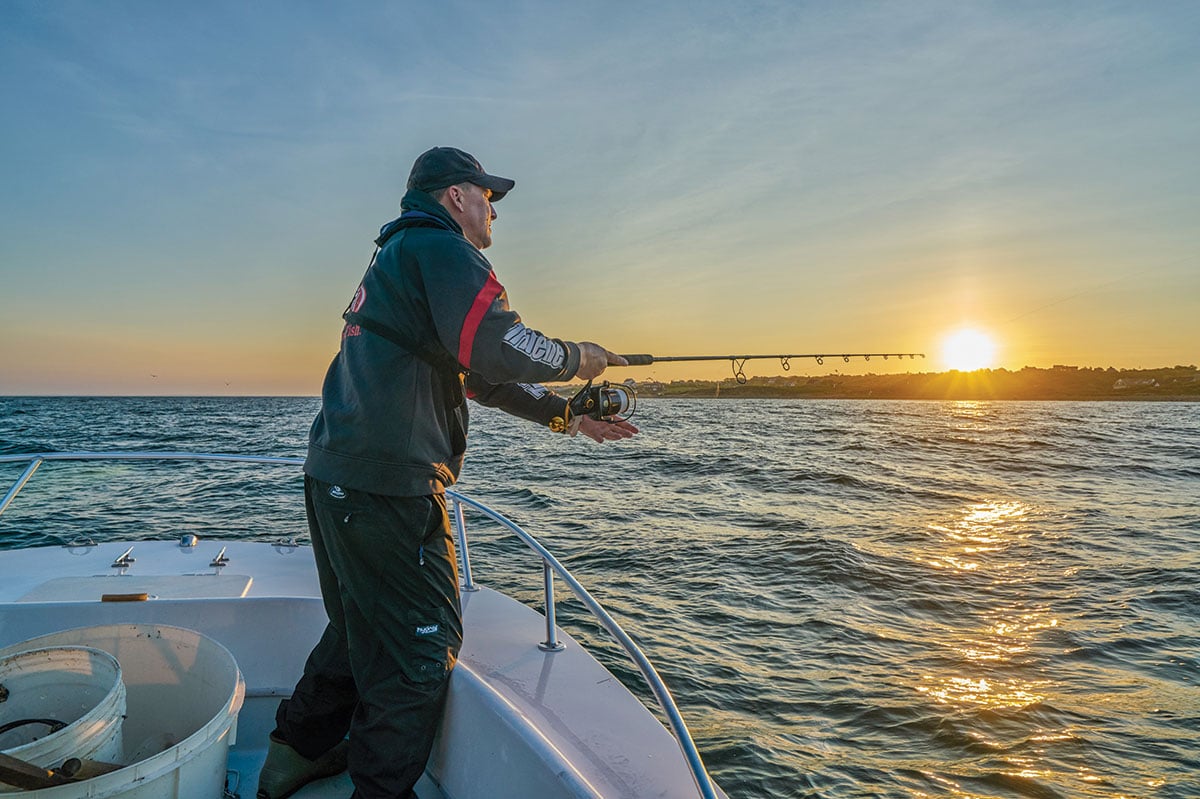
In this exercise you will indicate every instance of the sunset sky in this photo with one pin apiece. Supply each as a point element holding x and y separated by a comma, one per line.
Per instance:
<point>190,191</point>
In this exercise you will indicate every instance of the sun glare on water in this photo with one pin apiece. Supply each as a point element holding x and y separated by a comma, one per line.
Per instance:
<point>968,350</point>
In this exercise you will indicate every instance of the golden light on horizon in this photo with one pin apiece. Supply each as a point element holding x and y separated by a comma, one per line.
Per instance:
<point>968,349</point>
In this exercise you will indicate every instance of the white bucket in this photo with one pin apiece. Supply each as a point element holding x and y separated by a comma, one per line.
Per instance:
<point>77,686</point>
<point>183,694</point>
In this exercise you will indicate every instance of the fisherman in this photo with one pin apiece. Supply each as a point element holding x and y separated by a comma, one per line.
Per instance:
<point>428,325</point>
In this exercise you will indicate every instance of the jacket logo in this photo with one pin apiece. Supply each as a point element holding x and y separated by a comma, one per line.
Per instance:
<point>360,297</point>
<point>337,492</point>
<point>535,346</point>
<point>427,629</point>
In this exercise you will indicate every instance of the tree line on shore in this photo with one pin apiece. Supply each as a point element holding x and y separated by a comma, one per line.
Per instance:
<point>1056,383</point>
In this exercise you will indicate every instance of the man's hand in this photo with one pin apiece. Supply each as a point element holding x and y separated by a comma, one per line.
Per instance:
<point>594,359</point>
<point>605,431</point>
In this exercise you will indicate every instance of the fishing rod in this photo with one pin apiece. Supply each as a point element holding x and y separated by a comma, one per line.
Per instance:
<point>616,401</point>
<point>738,362</point>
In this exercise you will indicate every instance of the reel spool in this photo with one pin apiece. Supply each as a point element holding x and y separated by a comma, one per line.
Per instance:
<point>606,402</point>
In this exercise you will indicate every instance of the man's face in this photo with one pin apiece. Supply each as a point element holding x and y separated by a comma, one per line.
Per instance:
<point>478,214</point>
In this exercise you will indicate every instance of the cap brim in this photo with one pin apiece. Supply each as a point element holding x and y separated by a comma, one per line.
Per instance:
<point>499,186</point>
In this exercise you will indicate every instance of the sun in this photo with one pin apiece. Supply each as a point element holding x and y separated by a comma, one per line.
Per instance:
<point>967,350</point>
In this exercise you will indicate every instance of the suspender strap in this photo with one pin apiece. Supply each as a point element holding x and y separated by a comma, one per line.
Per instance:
<point>439,359</point>
<point>444,366</point>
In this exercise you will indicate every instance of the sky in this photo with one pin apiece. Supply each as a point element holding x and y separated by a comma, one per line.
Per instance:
<point>190,191</point>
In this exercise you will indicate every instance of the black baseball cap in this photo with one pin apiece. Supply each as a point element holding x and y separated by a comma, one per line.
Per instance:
<point>446,166</point>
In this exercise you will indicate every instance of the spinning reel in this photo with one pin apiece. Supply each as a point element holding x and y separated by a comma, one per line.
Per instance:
<point>607,402</point>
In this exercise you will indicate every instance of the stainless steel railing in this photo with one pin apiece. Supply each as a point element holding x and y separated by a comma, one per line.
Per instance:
<point>550,567</point>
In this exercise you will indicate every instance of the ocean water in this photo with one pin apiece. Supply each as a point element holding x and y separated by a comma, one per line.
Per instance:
<point>847,598</point>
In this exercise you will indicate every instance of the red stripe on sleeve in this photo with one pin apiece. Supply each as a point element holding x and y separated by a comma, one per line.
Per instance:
<point>483,300</point>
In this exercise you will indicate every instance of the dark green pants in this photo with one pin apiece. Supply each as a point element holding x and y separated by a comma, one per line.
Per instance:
<point>390,585</point>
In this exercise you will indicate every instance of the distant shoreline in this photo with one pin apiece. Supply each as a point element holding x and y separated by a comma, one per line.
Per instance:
<point>751,394</point>
<point>1065,383</point>
<point>1062,383</point>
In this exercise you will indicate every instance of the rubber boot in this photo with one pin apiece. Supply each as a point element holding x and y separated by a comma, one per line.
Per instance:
<point>287,771</point>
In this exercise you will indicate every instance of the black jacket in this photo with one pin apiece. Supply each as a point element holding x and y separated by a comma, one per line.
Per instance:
<point>390,421</point>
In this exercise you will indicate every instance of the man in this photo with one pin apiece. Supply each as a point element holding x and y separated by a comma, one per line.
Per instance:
<point>389,438</point>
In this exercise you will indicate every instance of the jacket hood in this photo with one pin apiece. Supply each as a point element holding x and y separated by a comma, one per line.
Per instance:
<point>418,209</point>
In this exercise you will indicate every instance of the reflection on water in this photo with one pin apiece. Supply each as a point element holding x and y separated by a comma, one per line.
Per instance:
<point>969,409</point>
<point>1009,635</point>
<point>980,529</point>
<point>986,541</point>
<point>983,692</point>
<point>994,675</point>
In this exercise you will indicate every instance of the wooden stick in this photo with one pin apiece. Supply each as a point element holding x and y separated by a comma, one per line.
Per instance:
<point>20,774</point>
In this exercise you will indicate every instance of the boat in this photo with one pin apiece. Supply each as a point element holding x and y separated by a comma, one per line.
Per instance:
<point>530,712</point>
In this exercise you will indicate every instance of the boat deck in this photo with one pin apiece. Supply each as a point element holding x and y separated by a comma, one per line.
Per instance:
<point>553,723</point>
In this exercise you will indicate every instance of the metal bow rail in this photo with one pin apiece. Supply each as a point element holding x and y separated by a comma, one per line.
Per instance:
<point>550,567</point>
